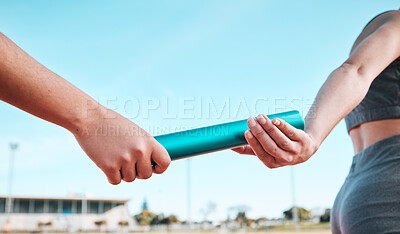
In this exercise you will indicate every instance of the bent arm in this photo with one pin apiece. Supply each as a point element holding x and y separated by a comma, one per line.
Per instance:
<point>347,85</point>
<point>277,144</point>
<point>30,86</point>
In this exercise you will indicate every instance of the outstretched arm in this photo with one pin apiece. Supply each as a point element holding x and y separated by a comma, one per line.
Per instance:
<point>277,143</point>
<point>125,154</point>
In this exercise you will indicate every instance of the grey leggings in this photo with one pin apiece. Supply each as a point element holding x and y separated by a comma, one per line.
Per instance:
<point>369,200</point>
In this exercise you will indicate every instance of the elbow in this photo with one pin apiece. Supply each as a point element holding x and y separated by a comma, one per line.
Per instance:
<point>355,70</point>
<point>349,67</point>
<point>354,75</point>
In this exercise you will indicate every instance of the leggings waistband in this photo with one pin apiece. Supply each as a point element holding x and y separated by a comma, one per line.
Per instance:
<point>383,151</point>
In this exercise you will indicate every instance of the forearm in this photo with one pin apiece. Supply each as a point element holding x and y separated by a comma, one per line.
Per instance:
<point>343,90</point>
<point>33,88</point>
<point>28,85</point>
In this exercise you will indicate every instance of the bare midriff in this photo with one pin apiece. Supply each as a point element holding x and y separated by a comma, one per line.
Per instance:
<point>368,133</point>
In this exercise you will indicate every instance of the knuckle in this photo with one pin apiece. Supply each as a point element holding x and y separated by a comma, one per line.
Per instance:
<point>258,133</point>
<point>126,159</point>
<point>270,129</point>
<point>291,133</point>
<point>274,150</point>
<point>289,159</point>
<point>284,160</point>
<point>138,152</point>
<point>284,144</point>
<point>110,168</point>
<point>296,150</point>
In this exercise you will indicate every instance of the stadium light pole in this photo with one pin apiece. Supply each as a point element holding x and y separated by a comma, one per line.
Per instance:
<point>189,196</point>
<point>295,212</point>
<point>9,200</point>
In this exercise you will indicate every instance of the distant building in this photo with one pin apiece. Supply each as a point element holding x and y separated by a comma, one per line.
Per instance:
<point>65,214</point>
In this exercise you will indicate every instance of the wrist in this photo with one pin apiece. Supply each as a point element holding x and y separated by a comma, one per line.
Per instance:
<point>86,116</point>
<point>315,141</point>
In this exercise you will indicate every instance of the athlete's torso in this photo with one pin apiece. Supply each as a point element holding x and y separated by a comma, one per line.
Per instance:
<point>379,126</point>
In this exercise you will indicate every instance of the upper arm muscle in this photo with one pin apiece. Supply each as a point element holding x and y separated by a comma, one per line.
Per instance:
<point>376,51</point>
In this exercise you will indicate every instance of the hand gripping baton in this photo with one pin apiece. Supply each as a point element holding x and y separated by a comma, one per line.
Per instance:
<point>217,137</point>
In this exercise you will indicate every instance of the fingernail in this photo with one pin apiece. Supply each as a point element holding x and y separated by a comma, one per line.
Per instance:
<point>252,122</point>
<point>261,119</point>
<point>248,134</point>
<point>276,122</point>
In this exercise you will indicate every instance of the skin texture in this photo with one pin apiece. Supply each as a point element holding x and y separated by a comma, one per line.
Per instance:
<point>120,148</point>
<point>278,144</point>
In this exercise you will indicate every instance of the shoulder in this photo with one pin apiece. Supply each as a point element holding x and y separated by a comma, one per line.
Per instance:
<point>384,18</point>
<point>387,19</point>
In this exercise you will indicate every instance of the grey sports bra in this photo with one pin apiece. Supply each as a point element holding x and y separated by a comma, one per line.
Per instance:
<point>382,100</point>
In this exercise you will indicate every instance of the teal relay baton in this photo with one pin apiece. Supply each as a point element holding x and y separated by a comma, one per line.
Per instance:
<point>217,137</point>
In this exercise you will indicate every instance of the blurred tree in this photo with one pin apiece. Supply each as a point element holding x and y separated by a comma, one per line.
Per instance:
<point>208,209</point>
<point>145,206</point>
<point>261,219</point>
<point>157,220</point>
<point>241,218</point>
<point>303,213</point>
<point>171,219</point>
<point>145,218</point>
<point>326,217</point>
<point>240,214</point>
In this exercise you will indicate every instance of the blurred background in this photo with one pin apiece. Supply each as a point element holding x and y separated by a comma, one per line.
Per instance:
<point>169,66</point>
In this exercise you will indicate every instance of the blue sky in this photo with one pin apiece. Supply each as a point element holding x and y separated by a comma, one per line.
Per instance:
<point>161,64</point>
